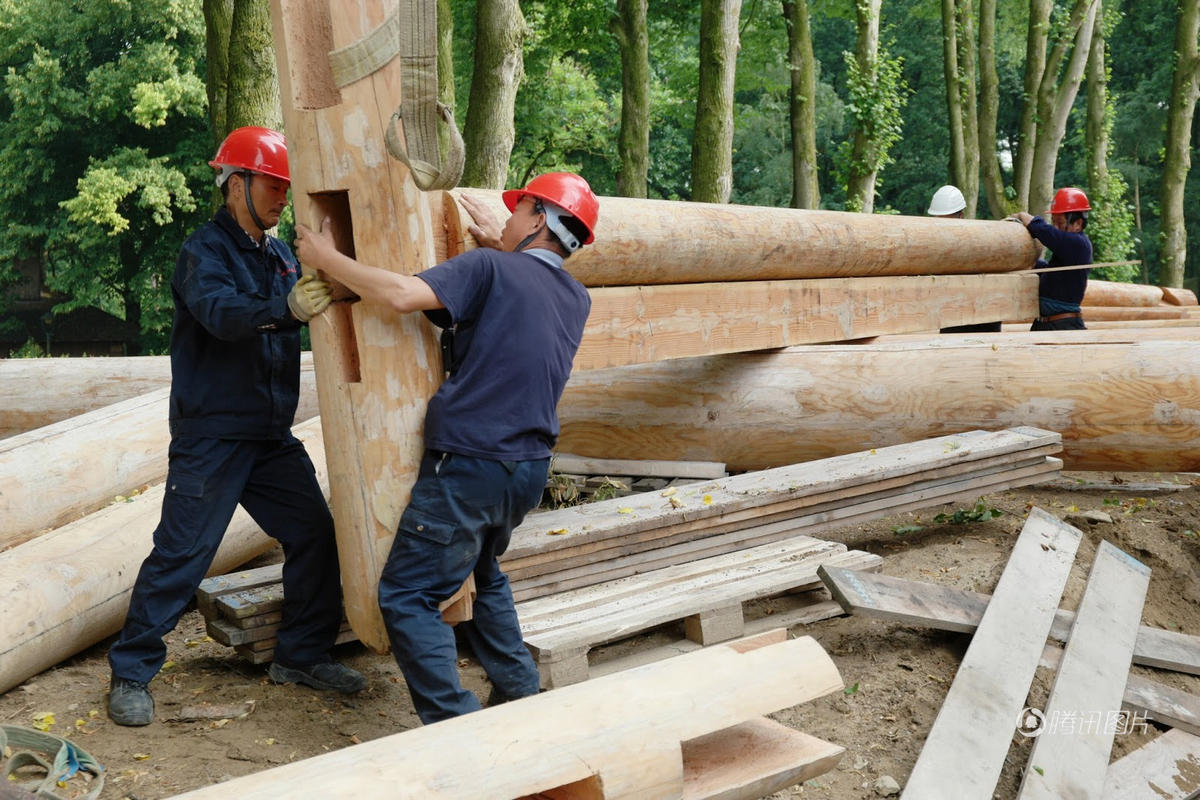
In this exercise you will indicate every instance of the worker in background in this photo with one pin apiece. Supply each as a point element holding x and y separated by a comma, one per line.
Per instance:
<point>1060,293</point>
<point>948,203</point>
<point>517,317</point>
<point>235,383</point>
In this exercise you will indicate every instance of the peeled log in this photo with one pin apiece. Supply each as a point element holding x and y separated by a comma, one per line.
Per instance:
<point>1178,297</point>
<point>1115,293</point>
<point>1122,399</point>
<point>57,473</point>
<point>1109,313</point>
<point>666,241</point>
<point>42,391</point>
<point>67,590</point>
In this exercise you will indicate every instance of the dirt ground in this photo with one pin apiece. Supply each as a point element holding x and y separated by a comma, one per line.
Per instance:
<point>901,673</point>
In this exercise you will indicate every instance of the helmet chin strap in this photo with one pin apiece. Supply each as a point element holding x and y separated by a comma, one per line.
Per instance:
<point>246,178</point>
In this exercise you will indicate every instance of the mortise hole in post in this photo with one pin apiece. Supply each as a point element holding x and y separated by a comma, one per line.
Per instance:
<point>308,37</point>
<point>590,788</point>
<point>335,206</point>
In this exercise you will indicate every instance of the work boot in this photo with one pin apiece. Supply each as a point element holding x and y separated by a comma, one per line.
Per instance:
<point>326,676</point>
<point>129,702</point>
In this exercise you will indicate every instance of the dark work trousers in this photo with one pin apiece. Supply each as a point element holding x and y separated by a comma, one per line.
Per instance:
<point>459,520</point>
<point>206,479</point>
<point>1071,324</point>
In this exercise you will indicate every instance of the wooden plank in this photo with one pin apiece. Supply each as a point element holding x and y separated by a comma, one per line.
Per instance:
<point>799,404</point>
<point>578,465</point>
<point>965,749</point>
<point>846,473</point>
<point>638,324</point>
<point>1168,768</point>
<point>945,608</point>
<point>263,652</point>
<point>753,759</point>
<point>211,588</point>
<point>1071,761</point>
<point>1147,699</point>
<point>573,734</point>
<point>616,567</point>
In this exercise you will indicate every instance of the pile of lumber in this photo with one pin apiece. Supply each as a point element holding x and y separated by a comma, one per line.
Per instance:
<point>967,746</point>
<point>1114,304</point>
<point>687,727</point>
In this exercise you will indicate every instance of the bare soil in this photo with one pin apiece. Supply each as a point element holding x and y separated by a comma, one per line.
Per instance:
<point>897,676</point>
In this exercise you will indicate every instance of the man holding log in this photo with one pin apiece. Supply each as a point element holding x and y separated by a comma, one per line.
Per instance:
<point>1060,292</point>
<point>516,318</point>
<point>235,382</point>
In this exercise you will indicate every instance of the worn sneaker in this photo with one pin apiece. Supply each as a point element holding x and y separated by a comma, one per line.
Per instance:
<point>130,702</point>
<point>326,676</point>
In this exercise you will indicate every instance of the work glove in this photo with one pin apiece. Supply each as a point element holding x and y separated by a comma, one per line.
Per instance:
<point>308,298</point>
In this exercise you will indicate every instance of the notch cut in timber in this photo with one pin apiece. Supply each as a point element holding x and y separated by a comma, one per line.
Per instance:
<point>335,207</point>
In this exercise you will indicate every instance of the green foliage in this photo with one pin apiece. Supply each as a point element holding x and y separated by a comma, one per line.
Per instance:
<point>103,139</point>
<point>875,105</point>
<point>981,512</point>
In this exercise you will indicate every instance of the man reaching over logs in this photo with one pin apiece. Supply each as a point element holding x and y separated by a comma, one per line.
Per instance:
<point>1060,293</point>
<point>517,318</point>
<point>235,384</point>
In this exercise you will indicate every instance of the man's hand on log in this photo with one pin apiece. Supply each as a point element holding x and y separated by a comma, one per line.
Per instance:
<point>486,228</point>
<point>314,248</point>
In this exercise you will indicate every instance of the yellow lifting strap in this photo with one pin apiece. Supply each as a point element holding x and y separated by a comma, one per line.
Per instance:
<point>416,144</point>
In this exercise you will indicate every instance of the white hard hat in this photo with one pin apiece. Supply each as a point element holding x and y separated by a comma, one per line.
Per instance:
<point>946,200</point>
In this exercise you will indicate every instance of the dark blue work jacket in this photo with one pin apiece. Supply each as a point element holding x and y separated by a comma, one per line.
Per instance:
<point>235,347</point>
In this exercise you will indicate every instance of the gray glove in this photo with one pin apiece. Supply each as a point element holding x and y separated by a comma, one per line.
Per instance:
<point>308,298</point>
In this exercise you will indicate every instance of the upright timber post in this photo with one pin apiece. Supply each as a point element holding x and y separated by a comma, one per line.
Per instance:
<point>375,370</point>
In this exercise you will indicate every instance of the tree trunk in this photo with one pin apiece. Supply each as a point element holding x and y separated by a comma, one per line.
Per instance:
<point>989,102</point>
<point>253,88</point>
<point>218,16</point>
<point>1036,41</point>
<point>954,93</point>
<point>629,26</point>
<point>1177,160</point>
<point>802,99</point>
<point>712,143</point>
<point>969,181</point>
<point>1096,124</point>
<point>499,67</point>
<point>860,188</point>
<point>1055,98</point>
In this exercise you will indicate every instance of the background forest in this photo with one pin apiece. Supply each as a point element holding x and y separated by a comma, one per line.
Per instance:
<point>111,108</point>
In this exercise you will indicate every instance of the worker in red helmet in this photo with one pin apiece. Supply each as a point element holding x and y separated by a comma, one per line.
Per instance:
<point>235,385</point>
<point>517,317</point>
<point>1060,293</point>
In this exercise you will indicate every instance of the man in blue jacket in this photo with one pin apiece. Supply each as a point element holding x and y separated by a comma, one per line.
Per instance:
<point>517,317</point>
<point>235,384</point>
<point>1060,293</point>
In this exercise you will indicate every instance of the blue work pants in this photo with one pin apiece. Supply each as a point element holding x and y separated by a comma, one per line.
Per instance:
<point>459,520</point>
<point>275,482</point>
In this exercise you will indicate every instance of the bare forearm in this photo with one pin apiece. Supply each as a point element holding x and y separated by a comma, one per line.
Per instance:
<point>402,293</point>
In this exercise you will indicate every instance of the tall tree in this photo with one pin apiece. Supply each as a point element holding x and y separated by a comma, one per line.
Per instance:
<point>958,59</point>
<point>712,145</point>
<point>445,67</point>
<point>989,104</point>
<point>802,100</point>
<point>629,27</point>
<point>103,144</point>
<point>489,131</point>
<point>241,82</point>
<point>876,99</point>
<point>1177,161</point>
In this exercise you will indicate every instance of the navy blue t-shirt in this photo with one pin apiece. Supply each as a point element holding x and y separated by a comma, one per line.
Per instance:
<point>519,319</point>
<point>1068,249</point>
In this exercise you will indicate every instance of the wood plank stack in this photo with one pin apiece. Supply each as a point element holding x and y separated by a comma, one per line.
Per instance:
<point>687,727</point>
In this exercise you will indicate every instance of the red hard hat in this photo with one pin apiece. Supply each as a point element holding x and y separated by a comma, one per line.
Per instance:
<point>566,190</point>
<point>1069,199</point>
<point>253,148</point>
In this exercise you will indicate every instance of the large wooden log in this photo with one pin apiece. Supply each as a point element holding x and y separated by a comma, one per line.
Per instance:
<point>68,589</point>
<point>1106,313</point>
<point>43,391</point>
<point>618,736</point>
<point>1115,293</point>
<point>57,473</point>
<point>376,369</point>
<point>1122,399</point>
<point>660,241</point>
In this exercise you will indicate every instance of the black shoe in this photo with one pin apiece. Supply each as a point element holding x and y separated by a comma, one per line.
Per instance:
<point>326,676</point>
<point>129,703</point>
<point>497,697</point>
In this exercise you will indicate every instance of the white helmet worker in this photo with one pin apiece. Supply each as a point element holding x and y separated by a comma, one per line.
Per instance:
<point>946,201</point>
